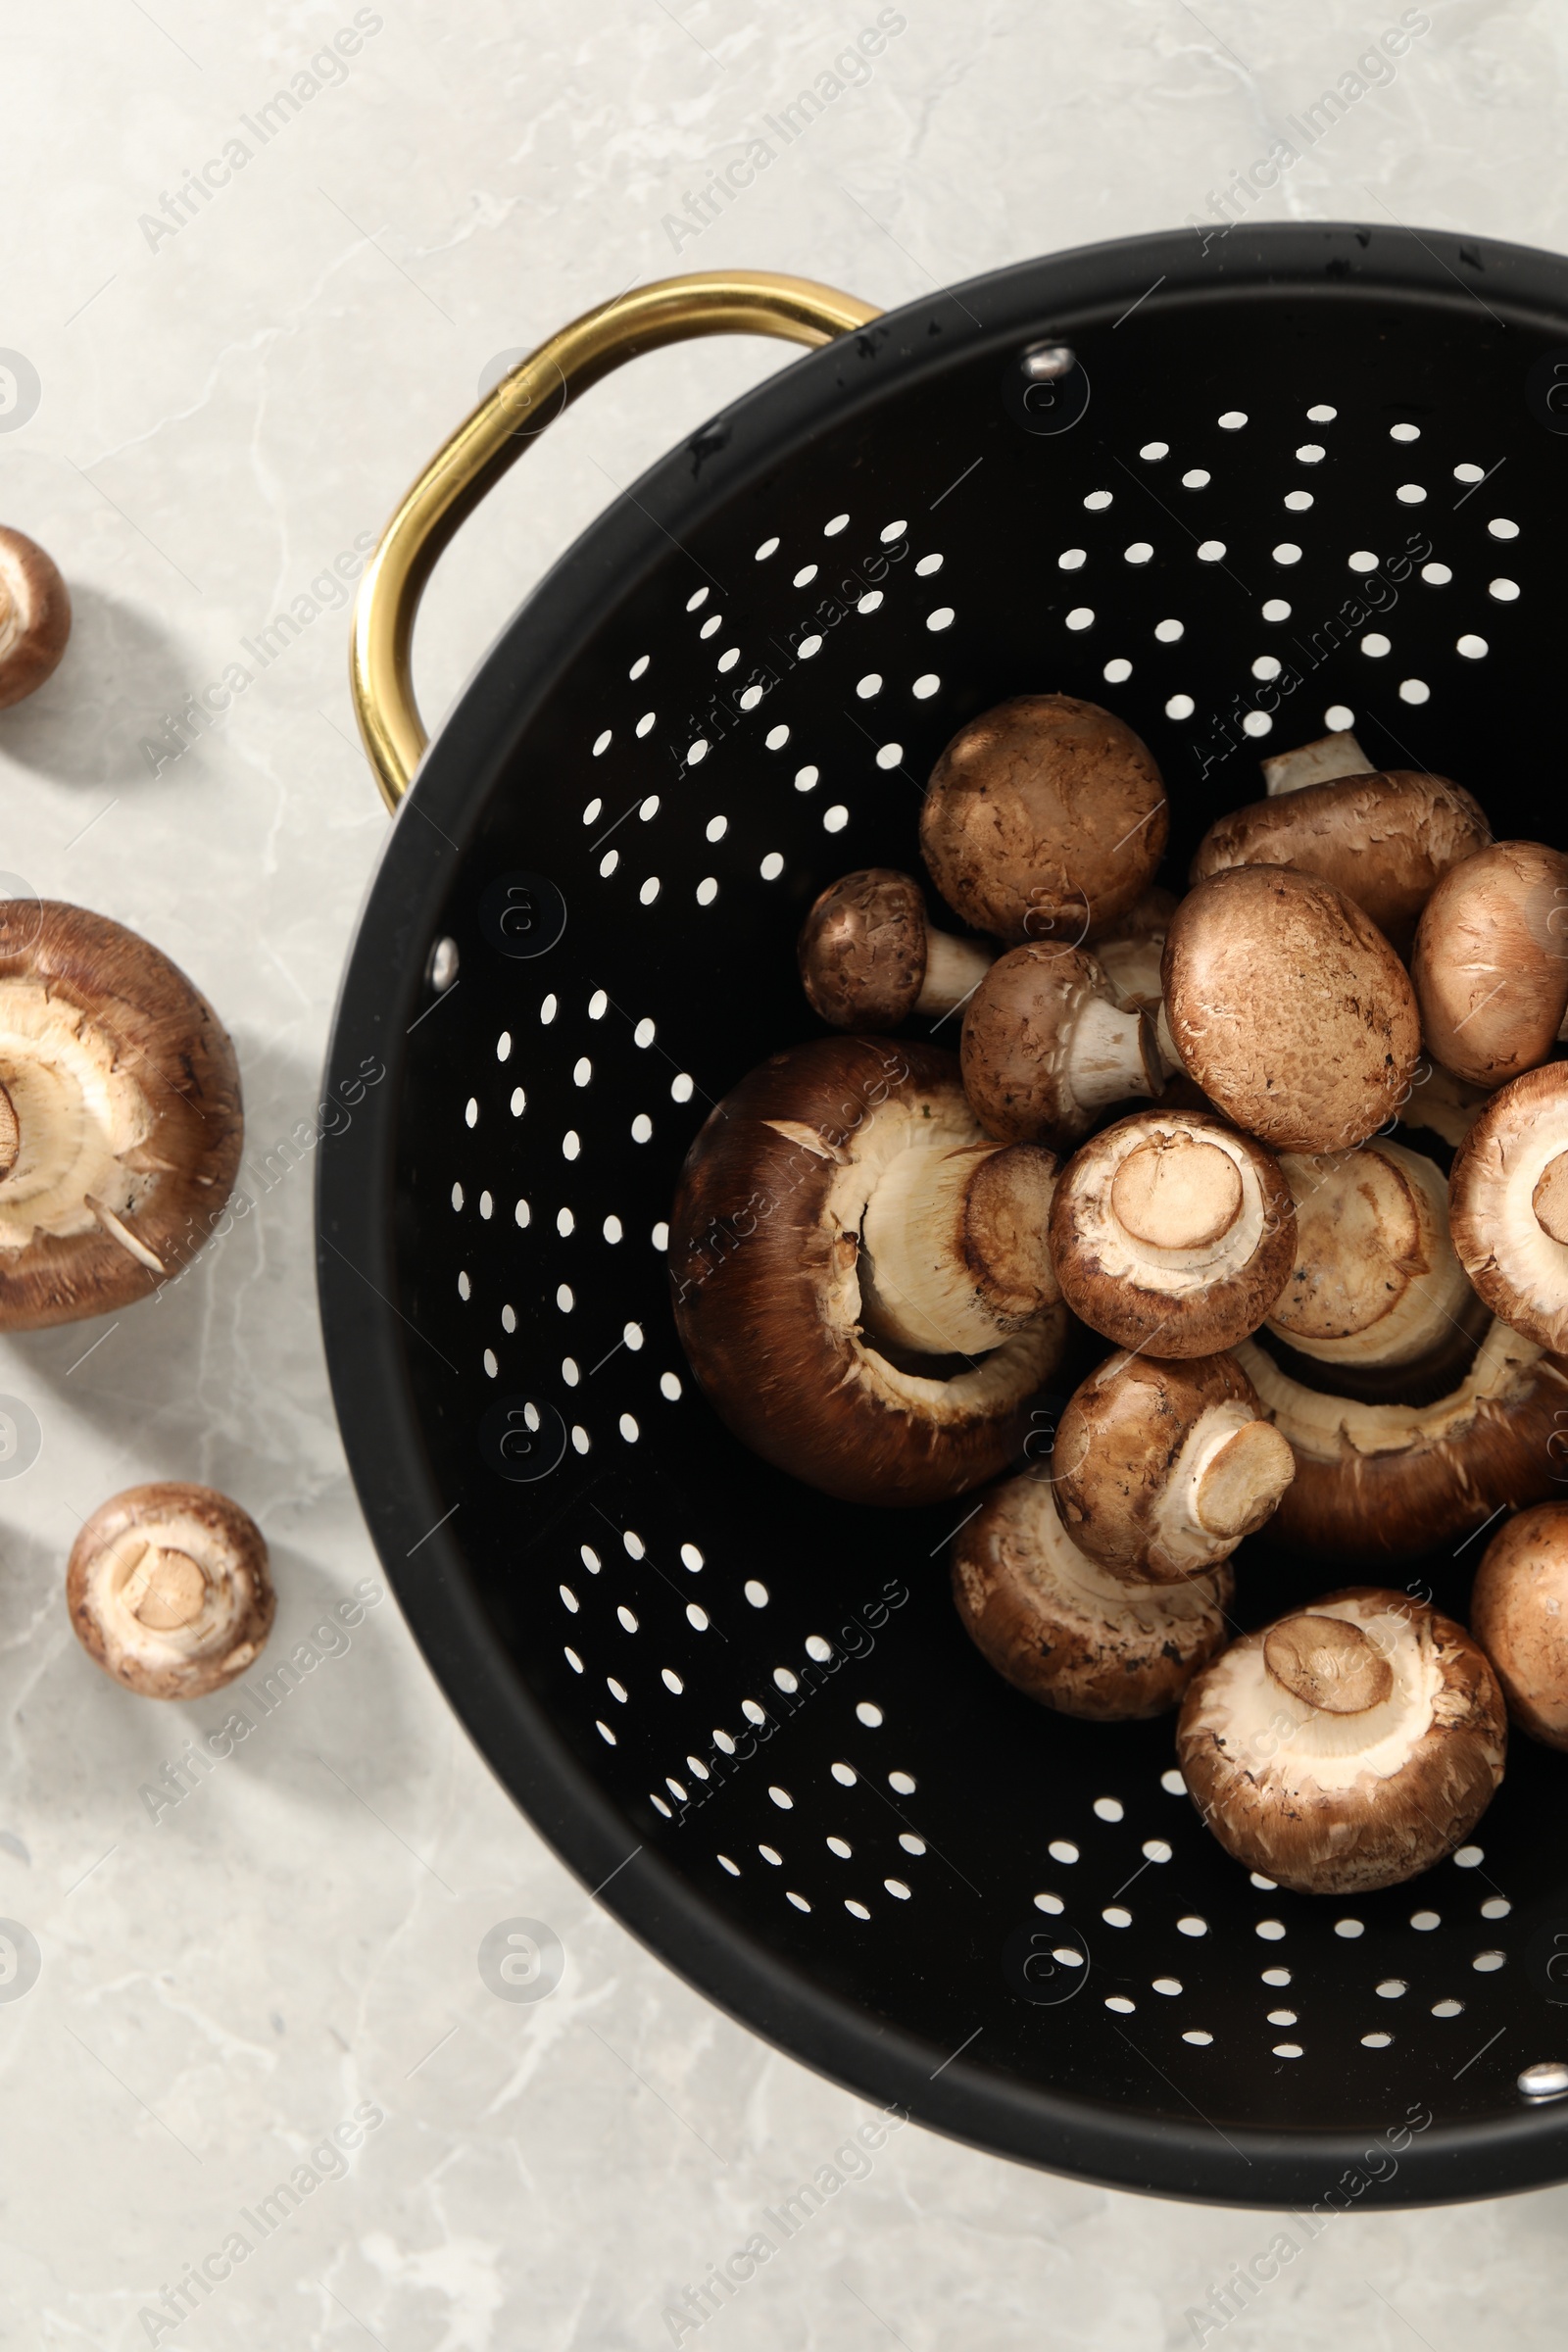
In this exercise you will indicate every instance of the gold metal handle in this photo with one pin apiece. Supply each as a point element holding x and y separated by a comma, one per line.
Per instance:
<point>718,302</point>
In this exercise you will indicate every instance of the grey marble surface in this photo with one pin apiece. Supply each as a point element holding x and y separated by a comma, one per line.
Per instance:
<point>221,410</point>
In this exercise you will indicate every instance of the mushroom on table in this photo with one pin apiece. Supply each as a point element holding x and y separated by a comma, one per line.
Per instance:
<point>860,1276</point>
<point>869,957</point>
<point>1348,1746</point>
<point>1045,1045</point>
<point>1045,819</point>
<point>169,1589</point>
<point>120,1125</point>
<point>1519,1615</point>
<point>1068,1631</point>
<point>1508,1204</point>
<point>35,616</point>
<point>1162,1468</point>
<point>1490,961</point>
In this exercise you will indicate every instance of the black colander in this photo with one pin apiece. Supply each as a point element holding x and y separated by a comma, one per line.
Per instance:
<point>1241,488</point>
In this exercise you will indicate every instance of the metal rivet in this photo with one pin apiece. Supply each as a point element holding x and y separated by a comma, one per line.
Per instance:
<point>1547,2079</point>
<point>1042,362</point>
<point>442,969</point>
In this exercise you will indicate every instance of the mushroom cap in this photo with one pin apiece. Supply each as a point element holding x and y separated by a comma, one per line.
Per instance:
<point>1045,819</point>
<point>1289,1007</point>
<point>1507,1213</point>
<point>126,1091</point>
<point>1336,1800</point>
<point>1384,1483</point>
<point>1519,1615</point>
<point>1131,1440</point>
<point>35,616</point>
<point>169,1589</point>
<point>863,950</point>
<point>1063,1630</point>
<point>1490,961</point>
<point>1386,840</point>
<point>1015,1045</point>
<point>1177,1281</point>
<point>765,1248</point>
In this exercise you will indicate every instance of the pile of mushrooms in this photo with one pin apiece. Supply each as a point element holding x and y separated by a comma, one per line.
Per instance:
<point>1268,1178</point>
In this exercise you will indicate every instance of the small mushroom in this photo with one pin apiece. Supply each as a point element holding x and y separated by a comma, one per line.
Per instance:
<point>170,1590</point>
<point>1386,1482</point>
<point>1289,1007</point>
<point>1045,819</point>
<point>1163,1468</point>
<point>1171,1234</point>
<point>861,1277</point>
<point>1064,1630</point>
<point>869,958</point>
<point>1376,1286</point>
<point>1348,1746</point>
<point>1046,1047</point>
<point>35,616</point>
<point>1384,840</point>
<point>1508,1204</point>
<point>1519,1615</point>
<point>1490,961</point>
<point>1129,954</point>
<point>120,1125</point>
<point>1319,763</point>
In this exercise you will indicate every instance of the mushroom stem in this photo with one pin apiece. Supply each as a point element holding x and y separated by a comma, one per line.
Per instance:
<point>1177,1193</point>
<point>1318,763</point>
<point>954,970</point>
<point>956,1247</point>
<point>165,1590</point>
<point>10,1133</point>
<point>1170,1061</point>
<point>1225,1483</point>
<point>1112,1054</point>
<point>1549,1199</point>
<point>1327,1663</point>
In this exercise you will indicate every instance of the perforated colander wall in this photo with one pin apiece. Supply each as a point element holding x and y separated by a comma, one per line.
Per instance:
<point>1285,508</point>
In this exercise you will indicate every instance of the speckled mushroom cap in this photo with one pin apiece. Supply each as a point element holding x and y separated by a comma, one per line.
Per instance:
<point>127,1100</point>
<point>1519,1615</point>
<point>1045,819</point>
<point>35,616</point>
<point>1386,840</point>
<point>1340,1758</point>
<point>1061,1628</point>
<point>1384,1483</point>
<point>862,949</point>
<point>1508,1204</point>
<point>1490,961</point>
<point>169,1589</point>
<point>1162,1469</point>
<point>1289,1007</point>
<point>767,1239</point>
<point>1172,1234</point>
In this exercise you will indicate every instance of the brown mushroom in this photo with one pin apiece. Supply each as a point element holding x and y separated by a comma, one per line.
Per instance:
<point>1508,1204</point>
<point>1375,1290</point>
<point>1490,961</point>
<point>1348,1746</point>
<point>35,616</point>
<point>1163,1468</point>
<point>860,1276</point>
<point>1046,1047</point>
<point>1519,1615</point>
<point>1171,1234</point>
<point>1384,840</point>
<point>1382,1483</point>
<point>1129,954</point>
<point>869,958</point>
<point>121,1128</point>
<point>170,1590</point>
<point>1289,1007</point>
<point>1063,1630</point>
<point>1319,763</point>
<point>1045,819</point>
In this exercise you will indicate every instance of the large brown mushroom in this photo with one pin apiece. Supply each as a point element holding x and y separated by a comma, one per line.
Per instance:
<point>169,1589</point>
<point>1508,1204</point>
<point>869,958</point>
<point>1171,1234</point>
<point>1519,1615</point>
<point>1161,1468</point>
<point>35,616</point>
<point>1490,961</point>
<point>1045,819</point>
<point>1348,1746</point>
<point>1061,1628</point>
<point>1289,1007</point>
<point>1046,1047</point>
<point>860,1276</point>
<point>1386,840</point>
<point>120,1126</point>
<point>1382,1483</point>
